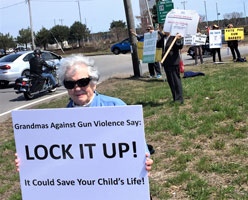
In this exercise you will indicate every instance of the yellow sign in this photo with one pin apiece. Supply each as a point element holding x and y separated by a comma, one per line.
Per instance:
<point>158,56</point>
<point>234,34</point>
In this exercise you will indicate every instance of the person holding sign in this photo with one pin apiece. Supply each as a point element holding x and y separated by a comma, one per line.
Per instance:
<point>233,45</point>
<point>79,76</point>
<point>152,67</point>
<point>171,65</point>
<point>214,50</point>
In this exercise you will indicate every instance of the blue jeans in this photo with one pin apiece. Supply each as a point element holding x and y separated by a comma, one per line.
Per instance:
<point>50,76</point>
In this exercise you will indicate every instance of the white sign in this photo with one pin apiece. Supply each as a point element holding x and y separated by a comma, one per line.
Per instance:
<point>215,39</point>
<point>181,21</point>
<point>82,153</point>
<point>199,39</point>
<point>188,40</point>
<point>149,51</point>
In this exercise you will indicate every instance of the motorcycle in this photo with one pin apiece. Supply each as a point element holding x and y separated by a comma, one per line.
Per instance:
<point>32,84</point>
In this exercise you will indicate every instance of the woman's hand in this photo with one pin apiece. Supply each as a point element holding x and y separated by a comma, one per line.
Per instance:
<point>149,163</point>
<point>17,162</point>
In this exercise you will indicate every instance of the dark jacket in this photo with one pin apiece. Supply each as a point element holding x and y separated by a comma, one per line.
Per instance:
<point>36,64</point>
<point>232,43</point>
<point>173,58</point>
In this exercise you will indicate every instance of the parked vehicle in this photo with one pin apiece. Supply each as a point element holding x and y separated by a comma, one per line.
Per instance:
<point>14,65</point>
<point>206,51</point>
<point>122,47</point>
<point>31,84</point>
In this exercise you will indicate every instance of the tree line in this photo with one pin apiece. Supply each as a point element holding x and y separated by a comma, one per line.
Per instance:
<point>77,33</point>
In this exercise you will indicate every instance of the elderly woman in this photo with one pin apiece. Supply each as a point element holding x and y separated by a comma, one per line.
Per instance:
<point>79,76</point>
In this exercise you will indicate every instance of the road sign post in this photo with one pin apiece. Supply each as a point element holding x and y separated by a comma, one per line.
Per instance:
<point>163,7</point>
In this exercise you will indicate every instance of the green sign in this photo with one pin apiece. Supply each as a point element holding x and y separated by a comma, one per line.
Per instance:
<point>163,7</point>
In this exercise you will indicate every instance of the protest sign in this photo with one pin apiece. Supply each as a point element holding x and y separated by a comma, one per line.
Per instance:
<point>215,39</point>
<point>234,34</point>
<point>184,22</point>
<point>188,40</point>
<point>199,39</point>
<point>149,50</point>
<point>196,40</point>
<point>158,55</point>
<point>82,153</point>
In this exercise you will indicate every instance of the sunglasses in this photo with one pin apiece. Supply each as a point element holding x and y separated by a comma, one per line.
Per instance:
<point>80,83</point>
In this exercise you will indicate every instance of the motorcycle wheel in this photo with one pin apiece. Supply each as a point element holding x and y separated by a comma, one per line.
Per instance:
<point>28,95</point>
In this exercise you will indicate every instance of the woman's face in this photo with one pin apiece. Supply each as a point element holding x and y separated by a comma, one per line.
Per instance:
<point>80,95</point>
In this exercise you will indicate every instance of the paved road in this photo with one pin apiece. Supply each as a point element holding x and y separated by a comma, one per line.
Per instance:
<point>108,65</point>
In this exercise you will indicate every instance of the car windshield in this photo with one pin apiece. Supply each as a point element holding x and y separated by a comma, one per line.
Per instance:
<point>10,58</point>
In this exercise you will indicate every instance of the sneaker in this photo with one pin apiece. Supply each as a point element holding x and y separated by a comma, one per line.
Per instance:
<point>151,76</point>
<point>158,76</point>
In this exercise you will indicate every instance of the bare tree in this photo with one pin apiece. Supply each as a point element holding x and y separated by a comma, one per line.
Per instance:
<point>234,18</point>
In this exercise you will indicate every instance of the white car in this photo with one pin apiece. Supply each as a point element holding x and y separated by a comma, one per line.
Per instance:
<point>16,64</point>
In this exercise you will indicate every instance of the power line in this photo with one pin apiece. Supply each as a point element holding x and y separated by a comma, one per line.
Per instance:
<point>12,5</point>
<point>60,0</point>
<point>41,1</point>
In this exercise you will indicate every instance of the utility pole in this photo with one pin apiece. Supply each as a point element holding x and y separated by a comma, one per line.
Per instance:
<point>149,14</point>
<point>31,25</point>
<point>184,2</point>
<point>79,12</point>
<point>133,39</point>
<point>206,12</point>
<point>217,12</point>
<point>245,14</point>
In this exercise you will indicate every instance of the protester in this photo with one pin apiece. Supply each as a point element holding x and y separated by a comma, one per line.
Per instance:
<point>171,65</point>
<point>214,50</point>
<point>79,76</point>
<point>198,50</point>
<point>233,45</point>
<point>152,67</point>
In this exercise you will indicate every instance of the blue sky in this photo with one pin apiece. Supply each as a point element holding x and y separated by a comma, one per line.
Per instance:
<point>97,14</point>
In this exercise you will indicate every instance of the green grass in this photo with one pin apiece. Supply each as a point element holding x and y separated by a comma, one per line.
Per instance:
<point>201,147</point>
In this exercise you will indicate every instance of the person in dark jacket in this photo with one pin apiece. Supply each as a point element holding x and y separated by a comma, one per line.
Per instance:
<point>233,45</point>
<point>171,65</point>
<point>36,67</point>
<point>152,67</point>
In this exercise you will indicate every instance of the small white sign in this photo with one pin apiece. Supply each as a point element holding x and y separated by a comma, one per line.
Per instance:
<point>149,51</point>
<point>188,40</point>
<point>199,39</point>
<point>184,22</point>
<point>215,39</point>
<point>75,153</point>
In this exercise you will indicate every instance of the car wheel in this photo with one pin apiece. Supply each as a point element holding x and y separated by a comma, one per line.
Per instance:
<point>25,72</point>
<point>28,95</point>
<point>4,83</point>
<point>116,51</point>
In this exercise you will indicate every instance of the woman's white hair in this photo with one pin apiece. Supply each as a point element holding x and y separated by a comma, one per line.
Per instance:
<point>71,64</point>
